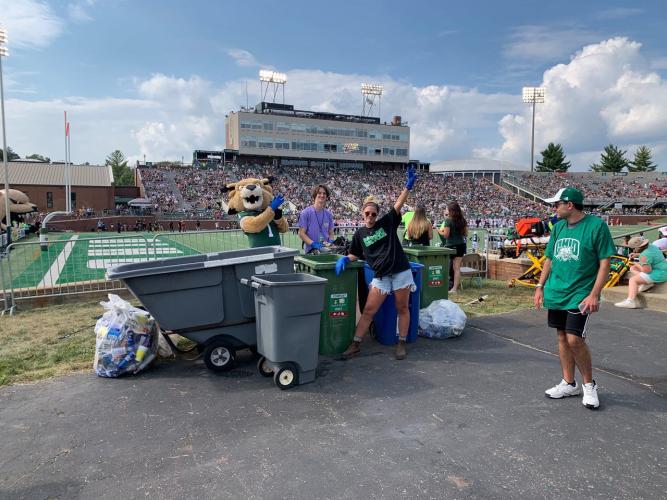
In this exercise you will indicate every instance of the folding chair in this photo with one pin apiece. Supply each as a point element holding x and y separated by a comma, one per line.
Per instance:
<point>473,266</point>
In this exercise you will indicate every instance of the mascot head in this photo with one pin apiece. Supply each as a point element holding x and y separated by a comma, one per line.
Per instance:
<point>19,205</point>
<point>249,194</point>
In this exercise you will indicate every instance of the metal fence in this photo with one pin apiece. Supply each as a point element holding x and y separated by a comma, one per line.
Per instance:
<point>72,264</point>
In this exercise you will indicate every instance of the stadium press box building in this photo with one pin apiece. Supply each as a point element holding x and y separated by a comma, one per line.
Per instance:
<point>279,133</point>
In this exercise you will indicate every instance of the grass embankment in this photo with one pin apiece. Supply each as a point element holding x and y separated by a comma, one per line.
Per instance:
<point>43,342</point>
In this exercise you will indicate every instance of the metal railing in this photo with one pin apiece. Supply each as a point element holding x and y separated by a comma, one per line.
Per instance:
<point>70,264</point>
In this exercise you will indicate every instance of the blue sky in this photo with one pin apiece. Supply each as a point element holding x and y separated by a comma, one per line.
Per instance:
<point>156,78</point>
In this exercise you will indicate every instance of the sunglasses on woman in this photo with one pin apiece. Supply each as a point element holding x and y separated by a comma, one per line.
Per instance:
<point>371,214</point>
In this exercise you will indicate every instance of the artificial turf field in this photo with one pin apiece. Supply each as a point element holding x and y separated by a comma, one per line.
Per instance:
<point>85,257</point>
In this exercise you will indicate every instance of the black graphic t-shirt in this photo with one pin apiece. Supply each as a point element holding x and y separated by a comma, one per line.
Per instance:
<point>380,246</point>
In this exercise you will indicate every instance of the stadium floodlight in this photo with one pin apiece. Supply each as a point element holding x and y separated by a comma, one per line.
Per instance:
<point>274,79</point>
<point>269,76</point>
<point>369,92</point>
<point>371,88</point>
<point>4,53</point>
<point>533,95</point>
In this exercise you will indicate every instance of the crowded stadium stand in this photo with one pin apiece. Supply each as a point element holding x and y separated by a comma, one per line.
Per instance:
<point>190,189</point>
<point>633,192</point>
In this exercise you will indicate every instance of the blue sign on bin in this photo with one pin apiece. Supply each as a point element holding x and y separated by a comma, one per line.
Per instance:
<point>385,322</point>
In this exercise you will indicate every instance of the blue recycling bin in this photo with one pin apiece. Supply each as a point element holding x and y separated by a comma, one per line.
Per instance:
<point>385,322</point>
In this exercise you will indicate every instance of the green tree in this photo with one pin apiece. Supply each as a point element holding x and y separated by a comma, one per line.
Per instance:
<point>35,156</point>
<point>553,159</point>
<point>11,155</point>
<point>122,174</point>
<point>612,160</point>
<point>642,161</point>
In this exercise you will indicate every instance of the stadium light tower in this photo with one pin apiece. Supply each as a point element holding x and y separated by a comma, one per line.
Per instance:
<point>4,53</point>
<point>268,78</point>
<point>533,95</point>
<point>369,92</point>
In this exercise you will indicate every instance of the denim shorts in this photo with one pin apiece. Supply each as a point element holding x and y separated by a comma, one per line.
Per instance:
<point>388,284</point>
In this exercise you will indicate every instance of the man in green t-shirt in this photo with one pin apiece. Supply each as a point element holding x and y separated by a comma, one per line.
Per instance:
<point>573,275</point>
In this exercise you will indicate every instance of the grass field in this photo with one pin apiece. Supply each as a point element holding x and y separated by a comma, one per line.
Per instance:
<point>85,257</point>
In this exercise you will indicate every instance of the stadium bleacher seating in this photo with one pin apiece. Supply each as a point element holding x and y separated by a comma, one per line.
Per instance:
<point>197,192</point>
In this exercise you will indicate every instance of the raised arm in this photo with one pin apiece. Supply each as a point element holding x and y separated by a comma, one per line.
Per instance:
<point>409,184</point>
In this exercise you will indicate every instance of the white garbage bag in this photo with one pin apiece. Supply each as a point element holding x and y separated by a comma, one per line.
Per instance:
<point>441,319</point>
<point>126,339</point>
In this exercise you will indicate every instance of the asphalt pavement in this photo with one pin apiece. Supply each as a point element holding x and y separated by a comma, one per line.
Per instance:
<point>460,418</point>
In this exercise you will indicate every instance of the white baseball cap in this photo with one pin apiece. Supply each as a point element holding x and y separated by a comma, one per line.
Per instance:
<point>663,230</point>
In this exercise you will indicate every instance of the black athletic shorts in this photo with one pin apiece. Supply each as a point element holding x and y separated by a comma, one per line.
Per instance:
<point>460,249</point>
<point>571,321</point>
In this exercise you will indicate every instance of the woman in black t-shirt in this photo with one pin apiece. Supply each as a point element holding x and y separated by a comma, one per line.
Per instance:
<point>378,244</point>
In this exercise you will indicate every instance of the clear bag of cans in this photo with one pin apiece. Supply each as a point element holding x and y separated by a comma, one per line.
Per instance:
<point>442,319</point>
<point>126,339</point>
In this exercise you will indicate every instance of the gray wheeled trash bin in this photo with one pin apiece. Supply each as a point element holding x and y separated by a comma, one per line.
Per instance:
<point>288,326</point>
<point>201,298</point>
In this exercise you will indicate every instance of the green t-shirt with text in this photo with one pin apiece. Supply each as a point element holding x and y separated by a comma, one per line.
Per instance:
<point>575,254</point>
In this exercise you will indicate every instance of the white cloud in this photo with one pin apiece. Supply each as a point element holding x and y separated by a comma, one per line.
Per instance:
<point>77,13</point>
<point>187,95</point>
<point>29,23</point>
<point>545,43</point>
<point>242,57</point>
<point>605,94</point>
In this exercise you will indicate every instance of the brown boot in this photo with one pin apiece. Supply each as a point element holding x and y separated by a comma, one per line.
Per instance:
<point>401,352</point>
<point>352,350</point>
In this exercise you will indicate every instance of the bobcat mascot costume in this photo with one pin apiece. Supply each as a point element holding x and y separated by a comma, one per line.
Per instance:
<point>19,204</point>
<point>260,217</point>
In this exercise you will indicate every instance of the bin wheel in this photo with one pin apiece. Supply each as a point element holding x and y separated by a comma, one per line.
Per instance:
<point>263,368</point>
<point>286,377</point>
<point>219,356</point>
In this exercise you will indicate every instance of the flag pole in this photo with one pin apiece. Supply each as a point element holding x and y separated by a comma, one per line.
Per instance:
<point>67,198</point>
<point>69,167</point>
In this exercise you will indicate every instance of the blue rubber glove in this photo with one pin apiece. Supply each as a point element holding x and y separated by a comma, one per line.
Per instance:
<point>412,177</point>
<point>276,202</point>
<point>316,245</point>
<point>340,265</point>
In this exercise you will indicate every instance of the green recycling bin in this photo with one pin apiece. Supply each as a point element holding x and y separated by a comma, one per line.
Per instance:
<point>435,274</point>
<point>340,299</point>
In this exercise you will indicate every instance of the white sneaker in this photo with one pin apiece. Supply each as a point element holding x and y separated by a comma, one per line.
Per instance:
<point>627,304</point>
<point>563,390</point>
<point>590,399</point>
<point>645,288</point>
